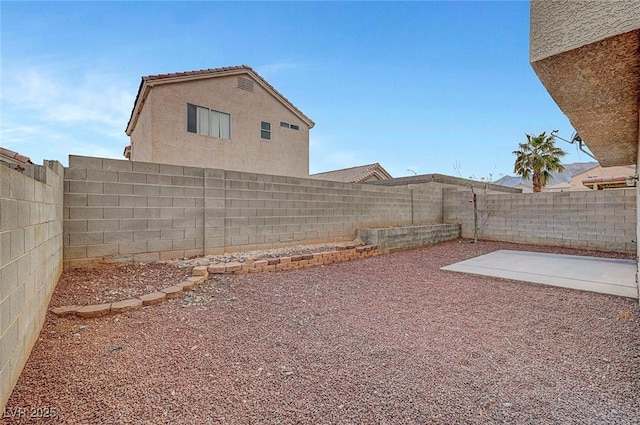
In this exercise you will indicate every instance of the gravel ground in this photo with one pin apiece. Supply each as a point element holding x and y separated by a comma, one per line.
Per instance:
<point>384,340</point>
<point>108,283</point>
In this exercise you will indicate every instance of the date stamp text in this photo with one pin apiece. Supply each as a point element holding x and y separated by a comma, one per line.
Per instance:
<point>43,412</point>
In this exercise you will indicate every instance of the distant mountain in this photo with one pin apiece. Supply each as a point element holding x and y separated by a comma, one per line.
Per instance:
<point>509,181</point>
<point>563,177</point>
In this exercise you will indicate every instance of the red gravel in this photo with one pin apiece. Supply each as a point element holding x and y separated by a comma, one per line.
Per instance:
<point>385,340</point>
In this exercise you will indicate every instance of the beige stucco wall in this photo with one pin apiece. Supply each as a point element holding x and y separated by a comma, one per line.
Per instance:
<point>599,171</point>
<point>141,145</point>
<point>586,55</point>
<point>161,133</point>
<point>561,25</point>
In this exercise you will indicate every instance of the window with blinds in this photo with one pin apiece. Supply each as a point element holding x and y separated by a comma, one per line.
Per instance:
<point>208,122</point>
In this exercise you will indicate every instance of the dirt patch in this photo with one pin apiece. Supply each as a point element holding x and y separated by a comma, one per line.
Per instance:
<point>388,339</point>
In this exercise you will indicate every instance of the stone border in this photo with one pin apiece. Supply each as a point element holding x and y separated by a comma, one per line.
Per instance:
<point>201,273</point>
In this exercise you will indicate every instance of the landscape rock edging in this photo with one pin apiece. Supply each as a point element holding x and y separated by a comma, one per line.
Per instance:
<point>201,273</point>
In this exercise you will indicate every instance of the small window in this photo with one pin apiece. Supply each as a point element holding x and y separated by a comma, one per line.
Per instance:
<point>287,125</point>
<point>265,130</point>
<point>208,122</point>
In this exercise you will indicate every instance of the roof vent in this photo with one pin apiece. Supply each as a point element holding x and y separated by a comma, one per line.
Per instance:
<point>245,84</point>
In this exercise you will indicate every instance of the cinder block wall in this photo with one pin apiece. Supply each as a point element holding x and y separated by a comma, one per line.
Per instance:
<point>123,210</point>
<point>427,192</point>
<point>30,260</point>
<point>600,220</point>
<point>263,210</point>
<point>131,210</point>
<point>428,201</point>
<point>391,239</point>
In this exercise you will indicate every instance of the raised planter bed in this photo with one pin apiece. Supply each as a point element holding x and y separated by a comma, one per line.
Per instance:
<point>407,237</point>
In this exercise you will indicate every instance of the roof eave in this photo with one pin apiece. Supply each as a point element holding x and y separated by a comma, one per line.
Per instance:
<point>290,106</point>
<point>137,106</point>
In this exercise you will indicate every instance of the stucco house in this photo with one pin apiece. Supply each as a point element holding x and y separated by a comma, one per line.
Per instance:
<point>599,178</point>
<point>229,118</point>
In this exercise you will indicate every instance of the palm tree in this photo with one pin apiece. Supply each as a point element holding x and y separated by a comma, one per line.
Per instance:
<point>537,158</point>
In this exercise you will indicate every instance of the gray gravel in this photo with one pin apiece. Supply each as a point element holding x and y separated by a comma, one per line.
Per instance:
<point>114,282</point>
<point>385,340</point>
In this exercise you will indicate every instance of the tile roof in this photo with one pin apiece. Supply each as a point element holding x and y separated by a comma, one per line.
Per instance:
<point>204,73</point>
<point>354,174</point>
<point>15,156</point>
<point>610,182</point>
<point>197,72</point>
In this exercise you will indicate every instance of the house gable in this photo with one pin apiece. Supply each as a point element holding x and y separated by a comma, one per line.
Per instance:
<point>149,82</point>
<point>227,118</point>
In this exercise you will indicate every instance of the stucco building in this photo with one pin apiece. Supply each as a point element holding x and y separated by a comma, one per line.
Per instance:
<point>600,178</point>
<point>587,55</point>
<point>229,118</point>
<point>597,178</point>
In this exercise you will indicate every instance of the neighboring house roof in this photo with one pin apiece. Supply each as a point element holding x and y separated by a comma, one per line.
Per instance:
<point>614,182</point>
<point>599,177</point>
<point>558,187</point>
<point>358,174</point>
<point>586,170</point>
<point>14,157</point>
<point>150,81</point>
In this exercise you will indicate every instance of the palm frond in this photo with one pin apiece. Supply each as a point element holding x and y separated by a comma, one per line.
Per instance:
<point>537,158</point>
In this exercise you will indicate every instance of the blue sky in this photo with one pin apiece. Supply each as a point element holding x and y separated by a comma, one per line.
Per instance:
<point>418,86</point>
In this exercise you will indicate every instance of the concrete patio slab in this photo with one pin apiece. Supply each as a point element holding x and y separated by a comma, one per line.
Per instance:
<point>604,275</point>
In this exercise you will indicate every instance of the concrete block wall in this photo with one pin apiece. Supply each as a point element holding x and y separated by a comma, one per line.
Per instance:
<point>390,239</point>
<point>427,202</point>
<point>131,210</point>
<point>427,190</point>
<point>599,220</point>
<point>263,210</point>
<point>30,260</point>
<point>123,210</point>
